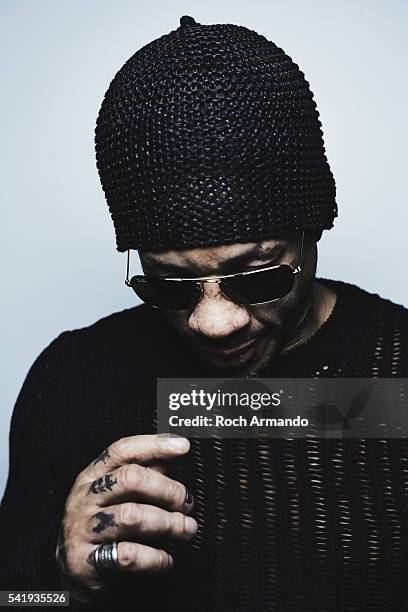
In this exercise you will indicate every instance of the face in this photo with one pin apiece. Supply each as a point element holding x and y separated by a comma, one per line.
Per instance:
<point>234,339</point>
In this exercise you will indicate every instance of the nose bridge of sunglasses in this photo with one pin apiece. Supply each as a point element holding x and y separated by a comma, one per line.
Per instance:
<point>213,281</point>
<point>202,283</point>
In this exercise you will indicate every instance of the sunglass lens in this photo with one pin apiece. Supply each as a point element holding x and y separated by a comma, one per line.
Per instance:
<point>174,295</point>
<point>260,286</point>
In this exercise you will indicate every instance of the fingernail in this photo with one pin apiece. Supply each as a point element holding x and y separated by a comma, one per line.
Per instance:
<point>191,525</point>
<point>178,443</point>
<point>189,498</point>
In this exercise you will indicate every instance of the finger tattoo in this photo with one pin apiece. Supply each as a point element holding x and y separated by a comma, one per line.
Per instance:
<point>104,456</point>
<point>105,520</point>
<point>103,484</point>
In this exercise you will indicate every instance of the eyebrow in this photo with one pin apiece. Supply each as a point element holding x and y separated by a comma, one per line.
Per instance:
<point>228,266</point>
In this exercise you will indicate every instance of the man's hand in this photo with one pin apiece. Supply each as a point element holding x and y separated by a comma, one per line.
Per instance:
<point>123,495</point>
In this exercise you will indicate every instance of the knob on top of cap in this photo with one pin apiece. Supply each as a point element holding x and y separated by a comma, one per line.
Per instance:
<point>186,20</point>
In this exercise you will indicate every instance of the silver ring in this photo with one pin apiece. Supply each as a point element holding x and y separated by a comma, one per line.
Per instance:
<point>105,558</point>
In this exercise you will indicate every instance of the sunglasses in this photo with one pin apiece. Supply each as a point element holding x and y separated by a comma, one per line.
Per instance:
<point>246,288</point>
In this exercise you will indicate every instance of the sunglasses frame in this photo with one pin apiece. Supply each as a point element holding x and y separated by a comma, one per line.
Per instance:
<point>199,280</point>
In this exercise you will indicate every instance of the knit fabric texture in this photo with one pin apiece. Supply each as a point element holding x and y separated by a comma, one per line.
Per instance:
<point>318,525</point>
<point>210,135</point>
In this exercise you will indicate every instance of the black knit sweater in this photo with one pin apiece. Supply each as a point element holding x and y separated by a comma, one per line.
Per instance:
<point>284,525</point>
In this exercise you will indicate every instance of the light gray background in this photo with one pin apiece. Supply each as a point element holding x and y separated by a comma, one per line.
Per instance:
<point>60,269</point>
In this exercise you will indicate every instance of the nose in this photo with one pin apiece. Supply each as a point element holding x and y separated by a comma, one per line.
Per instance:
<point>215,316</point>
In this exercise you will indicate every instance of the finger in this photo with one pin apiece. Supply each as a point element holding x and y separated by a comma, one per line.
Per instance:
<point>142,449</point>
<point>134,557</point>
<point>130,521</point>
<point>133,482</point>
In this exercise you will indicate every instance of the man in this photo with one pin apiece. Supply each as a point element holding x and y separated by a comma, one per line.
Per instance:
<point>211,156</point>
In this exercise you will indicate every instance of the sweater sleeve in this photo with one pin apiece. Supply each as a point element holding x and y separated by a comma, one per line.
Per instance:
<point>33,502</point>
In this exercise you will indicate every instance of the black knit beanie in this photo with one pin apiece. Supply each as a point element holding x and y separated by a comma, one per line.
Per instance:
<point>210,135</point>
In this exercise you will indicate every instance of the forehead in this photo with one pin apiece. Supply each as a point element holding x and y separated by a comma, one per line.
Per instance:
<point>213,257</point>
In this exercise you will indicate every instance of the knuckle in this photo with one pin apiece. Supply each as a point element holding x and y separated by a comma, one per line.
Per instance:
<point>127,554</point>
<point>118,448</point>
<point>163,560</point>
<point>79,480</point>
<point>74,497</point>
<point>127,476</point>
<point>131,515</point>
<point>178,523</point>
<point>157,445</point>
<point>175,492</point>
<point>134,476</point>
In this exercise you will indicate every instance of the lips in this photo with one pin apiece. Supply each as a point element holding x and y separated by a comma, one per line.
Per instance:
<point>236,356</point>
<point>231,352</point>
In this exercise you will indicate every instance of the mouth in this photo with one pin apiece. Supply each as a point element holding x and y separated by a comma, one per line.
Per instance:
<point>237,356</point>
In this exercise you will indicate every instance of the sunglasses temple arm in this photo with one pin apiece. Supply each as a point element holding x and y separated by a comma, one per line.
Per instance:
<point>127,283</point>
<point>299,266</point>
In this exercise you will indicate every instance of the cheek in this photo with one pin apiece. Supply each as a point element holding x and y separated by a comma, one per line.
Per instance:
<point>271,316</point>
<point>178,318</point>
<point>284,311</point>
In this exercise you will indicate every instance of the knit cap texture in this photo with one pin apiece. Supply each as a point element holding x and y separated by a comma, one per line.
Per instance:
<point>210,135</point>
